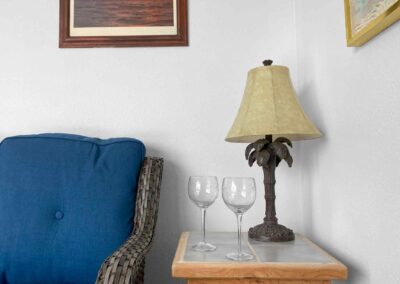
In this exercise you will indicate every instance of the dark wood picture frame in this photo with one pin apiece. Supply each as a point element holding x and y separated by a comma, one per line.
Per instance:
<point>67,41</point>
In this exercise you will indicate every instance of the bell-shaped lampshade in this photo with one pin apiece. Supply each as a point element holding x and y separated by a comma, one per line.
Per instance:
<point>270,107</point>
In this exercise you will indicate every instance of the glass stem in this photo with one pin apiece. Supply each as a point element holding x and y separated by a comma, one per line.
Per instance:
<point>203,225</point>
<point>239,224</point>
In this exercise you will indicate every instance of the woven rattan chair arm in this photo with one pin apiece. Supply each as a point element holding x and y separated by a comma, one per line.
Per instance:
<point>124,265</point>
<point>127,263</point>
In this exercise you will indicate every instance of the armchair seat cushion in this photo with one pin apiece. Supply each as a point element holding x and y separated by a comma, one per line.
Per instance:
<point>66,203</point>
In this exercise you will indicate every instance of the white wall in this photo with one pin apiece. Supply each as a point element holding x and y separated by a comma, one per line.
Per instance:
<point>343,191</point>
<point>350,179</point>
<point>180,101</point>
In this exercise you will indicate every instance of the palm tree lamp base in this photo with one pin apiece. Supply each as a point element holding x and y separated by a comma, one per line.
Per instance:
<point>268,154</point>
<point>271,233</point>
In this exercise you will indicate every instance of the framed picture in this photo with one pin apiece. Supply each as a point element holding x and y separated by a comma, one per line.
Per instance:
<point>367,18</point>
<point>123,23</point>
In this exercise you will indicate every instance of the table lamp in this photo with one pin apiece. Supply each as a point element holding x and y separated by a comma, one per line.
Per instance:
<point>269,118</point>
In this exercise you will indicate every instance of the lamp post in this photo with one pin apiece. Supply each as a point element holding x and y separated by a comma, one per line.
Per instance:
<point>269,118</point>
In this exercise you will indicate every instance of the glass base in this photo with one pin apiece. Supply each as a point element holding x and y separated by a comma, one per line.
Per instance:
<point>239,257</point>
<point>202,246</point>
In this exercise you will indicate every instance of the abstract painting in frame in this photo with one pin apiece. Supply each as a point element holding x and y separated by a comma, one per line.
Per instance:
<point>123,23</point>
<point>367,18</point>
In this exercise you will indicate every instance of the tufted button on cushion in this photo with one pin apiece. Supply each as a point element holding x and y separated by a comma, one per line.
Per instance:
<point>44,176</point>
<point>59,215</point>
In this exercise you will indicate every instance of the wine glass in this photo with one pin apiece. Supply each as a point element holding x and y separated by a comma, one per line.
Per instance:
<point>203,190</point>
<point>239,194</point>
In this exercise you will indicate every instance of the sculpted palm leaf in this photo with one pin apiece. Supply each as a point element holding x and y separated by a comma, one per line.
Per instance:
<point>280,149</point>
<point>284,140</point>
<point>263,158</point>
<point>282,152</point>
<point>249,148</point>
<point>289,160</point>
<point>260,144</point>
<point>252,158</point>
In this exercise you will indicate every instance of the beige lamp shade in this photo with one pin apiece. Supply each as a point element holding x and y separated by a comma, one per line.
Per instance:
<point>270,107</point>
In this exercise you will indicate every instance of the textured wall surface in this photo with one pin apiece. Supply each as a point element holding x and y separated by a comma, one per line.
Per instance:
<point>179,101</point>
<point>350,179</point>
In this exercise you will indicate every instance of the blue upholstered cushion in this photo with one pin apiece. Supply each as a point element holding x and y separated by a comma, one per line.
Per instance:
<point>66,203</point>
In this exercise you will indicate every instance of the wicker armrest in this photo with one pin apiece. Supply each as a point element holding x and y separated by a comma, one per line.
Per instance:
<point>126,265</point>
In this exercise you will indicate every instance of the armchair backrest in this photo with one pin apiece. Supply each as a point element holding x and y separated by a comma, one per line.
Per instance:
<point>67,202</point>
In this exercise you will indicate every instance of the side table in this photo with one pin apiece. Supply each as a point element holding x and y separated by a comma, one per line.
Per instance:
<point>296,262</point>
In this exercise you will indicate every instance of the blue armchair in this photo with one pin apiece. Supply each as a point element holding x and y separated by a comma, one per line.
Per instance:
<point>75,209</point>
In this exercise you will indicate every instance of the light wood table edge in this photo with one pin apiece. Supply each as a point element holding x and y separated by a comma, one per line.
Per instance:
<point>180,251</point>
<point>254,281</point>
<point>336,261</point>
<point>294,271</point>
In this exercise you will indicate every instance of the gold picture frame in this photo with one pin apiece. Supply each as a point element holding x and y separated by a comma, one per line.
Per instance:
<point>367,18</point>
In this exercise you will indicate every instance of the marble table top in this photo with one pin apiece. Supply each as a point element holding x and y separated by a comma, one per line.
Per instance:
<point>270,259</point>
<point>299,250</point>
